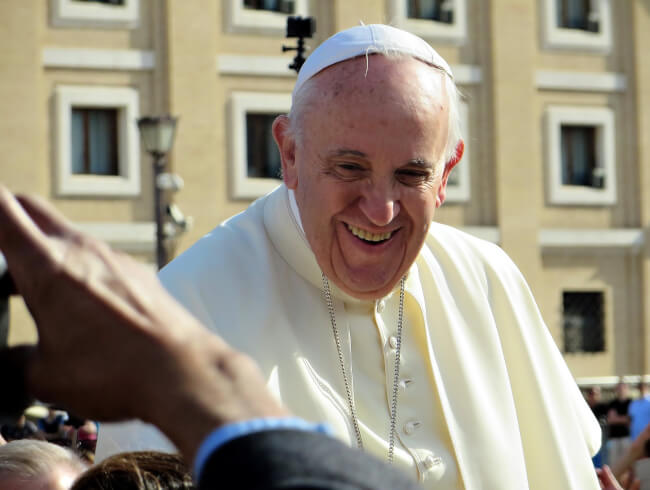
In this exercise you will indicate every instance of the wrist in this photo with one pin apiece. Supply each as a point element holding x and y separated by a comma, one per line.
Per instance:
<point>210,385</point>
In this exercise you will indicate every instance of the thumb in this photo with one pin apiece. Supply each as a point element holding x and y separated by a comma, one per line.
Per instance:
<point>15,398</point>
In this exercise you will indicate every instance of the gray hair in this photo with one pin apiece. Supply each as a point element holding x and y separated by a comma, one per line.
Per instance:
<point>454,136</point>
<point>30,459</point>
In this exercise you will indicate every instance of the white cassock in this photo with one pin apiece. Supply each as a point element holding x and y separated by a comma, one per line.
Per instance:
<point>486,400</point>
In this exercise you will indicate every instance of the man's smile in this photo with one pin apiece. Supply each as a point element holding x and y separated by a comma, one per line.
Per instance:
<point>368,236</point>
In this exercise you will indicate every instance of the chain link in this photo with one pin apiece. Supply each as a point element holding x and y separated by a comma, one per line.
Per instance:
<point>346,379</point>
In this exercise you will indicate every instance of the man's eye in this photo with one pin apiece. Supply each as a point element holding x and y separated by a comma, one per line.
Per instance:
<point>413,176</point>
<point>348,167</point>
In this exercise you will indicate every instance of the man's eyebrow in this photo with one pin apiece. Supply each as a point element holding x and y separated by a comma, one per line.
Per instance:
<point>421,163</point>
<point>346,152</point>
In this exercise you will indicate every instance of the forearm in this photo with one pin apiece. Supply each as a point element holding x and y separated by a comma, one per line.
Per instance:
<point>625,462</point>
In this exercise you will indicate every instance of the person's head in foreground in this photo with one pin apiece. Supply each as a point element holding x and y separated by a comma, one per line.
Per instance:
<point>37,465</point>
<point>139,470</point>
<point>368,146</point>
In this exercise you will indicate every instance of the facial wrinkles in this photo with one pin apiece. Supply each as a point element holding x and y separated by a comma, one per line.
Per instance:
<point>408,99</point>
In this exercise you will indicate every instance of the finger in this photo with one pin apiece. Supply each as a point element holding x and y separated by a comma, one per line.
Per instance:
<point>608,479</point>
<point>48,219</point>
<point>21,241</point>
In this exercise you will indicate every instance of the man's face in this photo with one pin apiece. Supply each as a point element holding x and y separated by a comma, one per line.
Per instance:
<point>367,169</point>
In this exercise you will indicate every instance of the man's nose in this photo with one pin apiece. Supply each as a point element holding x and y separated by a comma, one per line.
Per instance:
<point>380,206</point>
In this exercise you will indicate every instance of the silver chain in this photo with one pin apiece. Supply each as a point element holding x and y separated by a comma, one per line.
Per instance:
<point>346,379</point>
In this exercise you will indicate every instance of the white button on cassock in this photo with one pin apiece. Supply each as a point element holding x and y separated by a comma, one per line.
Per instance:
<point>431,461</point>
<point>409,427</point>
<point>392,341</point>
<point>405,383</point>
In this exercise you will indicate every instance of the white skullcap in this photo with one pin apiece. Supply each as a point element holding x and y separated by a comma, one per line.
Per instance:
<point>368,39</point>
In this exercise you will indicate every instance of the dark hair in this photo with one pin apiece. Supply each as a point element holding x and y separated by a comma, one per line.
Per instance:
<point>138,470</point>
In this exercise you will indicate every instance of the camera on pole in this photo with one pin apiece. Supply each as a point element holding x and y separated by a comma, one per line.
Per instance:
<point>301,28</point>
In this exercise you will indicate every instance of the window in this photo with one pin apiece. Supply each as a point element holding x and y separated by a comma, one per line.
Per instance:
<point>94,141</point>
<point>581,155</point>
<point>431,19</point>
<point>284,6</point>
<point>262,16</point>
<point>458,184</point>
<point>118,14</point>
<point>97,144</point>
<point>577,24</point>
<point>254,159</point>
<point>436,10</point>
<point>579,165</point>
<point>108,2</point>
<point>577,14</point>
<point>583,321</point>
<point>262,155</point>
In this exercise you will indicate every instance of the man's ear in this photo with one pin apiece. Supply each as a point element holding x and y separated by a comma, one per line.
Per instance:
<point>442,190</point>
<point>287,146</point>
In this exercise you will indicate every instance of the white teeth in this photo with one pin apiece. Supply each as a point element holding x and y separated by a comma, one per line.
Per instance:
<point>366,235</point>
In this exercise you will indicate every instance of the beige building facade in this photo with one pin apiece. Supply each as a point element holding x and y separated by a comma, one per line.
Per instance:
<point>556,117</point>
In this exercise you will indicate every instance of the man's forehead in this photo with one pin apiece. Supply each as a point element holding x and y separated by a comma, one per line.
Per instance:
<point>381,78</point>
<point>364,41</point>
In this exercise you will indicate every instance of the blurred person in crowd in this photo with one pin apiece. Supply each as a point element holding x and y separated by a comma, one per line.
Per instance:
<point>2,440</point>
<point>618,423</point>
<point>639,413</point>
<point>138,470</point>
<point>594,400</point>
<point>21,429</point>
<point>52,426</point>
<point>85,440</point>
<point>29,464</point>
<point>82,436</point>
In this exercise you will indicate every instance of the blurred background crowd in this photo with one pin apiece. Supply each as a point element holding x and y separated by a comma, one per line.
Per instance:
<point>57,426</point>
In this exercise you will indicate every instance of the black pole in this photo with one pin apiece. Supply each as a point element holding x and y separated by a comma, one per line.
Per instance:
<point>300,28</point>
<point>161,251</point>
<point>4,321</point>
<point>7,288</point>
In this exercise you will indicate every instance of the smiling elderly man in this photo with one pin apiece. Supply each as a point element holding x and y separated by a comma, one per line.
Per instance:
<point>413,340</point>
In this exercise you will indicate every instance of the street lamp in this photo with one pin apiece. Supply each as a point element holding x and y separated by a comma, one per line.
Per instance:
<point>157,134</point>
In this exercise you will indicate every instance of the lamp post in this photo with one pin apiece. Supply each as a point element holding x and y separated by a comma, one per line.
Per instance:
<point>157,134</point>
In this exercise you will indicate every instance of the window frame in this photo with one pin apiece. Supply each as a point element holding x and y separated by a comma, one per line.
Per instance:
<point>241,185</point>
<point>240,19</point>
<point>70,13</point>
<point>456,32</point>
<point>602,118</point>
<point>125,100</point>
<point>556,37</point>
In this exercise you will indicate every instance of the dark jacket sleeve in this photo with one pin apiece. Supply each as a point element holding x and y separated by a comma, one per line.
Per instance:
<point>290,459</point>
